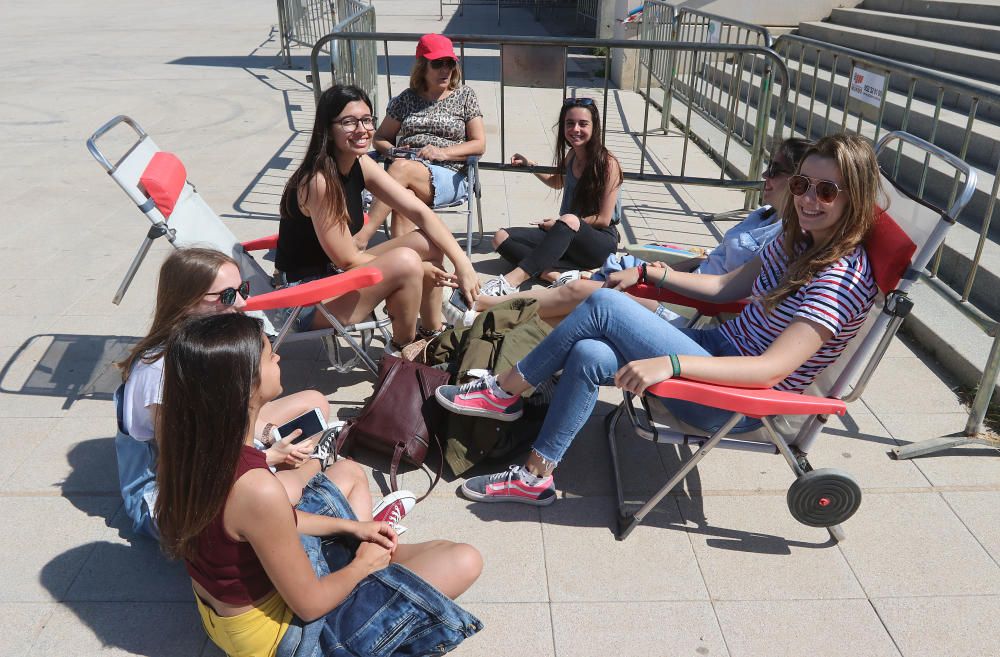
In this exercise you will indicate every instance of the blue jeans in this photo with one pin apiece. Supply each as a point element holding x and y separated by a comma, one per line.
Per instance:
<point>391,612</point>
<point>597,339</point>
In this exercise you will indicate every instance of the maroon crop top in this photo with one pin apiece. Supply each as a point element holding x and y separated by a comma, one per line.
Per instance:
<point>230,570</point>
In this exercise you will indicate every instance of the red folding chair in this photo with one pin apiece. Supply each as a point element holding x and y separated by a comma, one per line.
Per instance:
<point>907,234</point>
<point>156,181</point>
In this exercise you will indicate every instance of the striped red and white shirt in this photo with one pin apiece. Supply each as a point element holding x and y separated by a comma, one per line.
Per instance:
<point>838,298</point>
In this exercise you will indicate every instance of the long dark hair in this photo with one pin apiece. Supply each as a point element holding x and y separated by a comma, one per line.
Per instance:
<point>858,167</point>
<point>185,277</point>
<point>211,369</point>
<point>591,186</point>
<point>321,157</point>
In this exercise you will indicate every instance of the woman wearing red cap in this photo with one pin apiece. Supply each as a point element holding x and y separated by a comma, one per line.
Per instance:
<point>437,117</point>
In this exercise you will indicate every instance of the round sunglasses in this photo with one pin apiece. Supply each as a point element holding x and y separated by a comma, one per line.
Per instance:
<point>227,297</point>
<point>826,190</point>
<point>443,62</point>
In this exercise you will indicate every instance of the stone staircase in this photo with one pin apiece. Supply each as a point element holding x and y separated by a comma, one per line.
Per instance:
<point>961,39</point>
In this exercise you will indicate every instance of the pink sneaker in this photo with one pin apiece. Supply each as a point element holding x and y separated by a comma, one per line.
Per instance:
<point>394,508</point>
<point>479,398</point>
<point>509,486</point>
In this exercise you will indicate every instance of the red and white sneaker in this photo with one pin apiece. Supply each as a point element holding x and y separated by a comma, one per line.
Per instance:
<point>509,486</point>
<point>479,398</point>
<point>394,508</point>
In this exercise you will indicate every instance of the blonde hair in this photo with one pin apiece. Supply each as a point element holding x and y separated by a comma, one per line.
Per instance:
<point>418,75</point>
<point>858,166</point>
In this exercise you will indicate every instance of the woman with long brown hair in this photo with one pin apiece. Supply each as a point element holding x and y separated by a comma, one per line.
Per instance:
<point>811,290</point>
<point>584,233</point>
<point>345,586</point>
<point>321,211</point>
<point>194,281</point>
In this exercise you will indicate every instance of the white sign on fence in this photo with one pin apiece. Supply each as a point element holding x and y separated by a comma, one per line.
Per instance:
<point>867,87</point>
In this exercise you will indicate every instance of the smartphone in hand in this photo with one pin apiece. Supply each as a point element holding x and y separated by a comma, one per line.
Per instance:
<point>311,422</point>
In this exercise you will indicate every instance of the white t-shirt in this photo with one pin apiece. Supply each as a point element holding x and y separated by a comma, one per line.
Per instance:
<point>143,388</point>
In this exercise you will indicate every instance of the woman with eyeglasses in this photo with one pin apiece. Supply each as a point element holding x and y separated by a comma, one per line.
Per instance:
<point>739,244</point>
<point>195,281</point>
<point>321,212</point>
<point>584,233</point>
<point>810,290</point>
<point>270,580</point>
<point>438,123</point>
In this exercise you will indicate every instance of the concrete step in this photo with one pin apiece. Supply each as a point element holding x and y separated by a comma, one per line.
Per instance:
<point>953,59</point>
<point>954,32</point>
<point>956,10</point>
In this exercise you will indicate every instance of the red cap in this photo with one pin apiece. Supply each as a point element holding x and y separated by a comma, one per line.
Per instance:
<point>435,46</point>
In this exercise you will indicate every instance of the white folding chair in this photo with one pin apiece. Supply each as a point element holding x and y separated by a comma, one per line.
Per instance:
<point>907,234</point>
<point>157,183</point>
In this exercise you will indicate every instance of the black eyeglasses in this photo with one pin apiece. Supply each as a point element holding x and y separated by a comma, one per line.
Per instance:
<point>578,102</point>
<point>227,297</point>
<point>776,169</point>
<point>351,123</point>
<point>826,190</point>
<point>444,62</point>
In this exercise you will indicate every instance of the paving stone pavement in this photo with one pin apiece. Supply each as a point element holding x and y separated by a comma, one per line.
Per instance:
<point>720,569</point>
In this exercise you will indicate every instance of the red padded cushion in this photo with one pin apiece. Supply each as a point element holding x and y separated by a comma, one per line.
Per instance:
<point>163,181</point>
<point>890,251</point>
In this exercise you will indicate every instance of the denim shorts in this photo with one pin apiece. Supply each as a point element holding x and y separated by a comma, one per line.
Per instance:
<point>448,186</point>
<point>391,612</point>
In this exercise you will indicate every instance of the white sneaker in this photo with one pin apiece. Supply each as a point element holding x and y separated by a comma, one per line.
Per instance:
<point>498,287</point>
<point>567,277</point>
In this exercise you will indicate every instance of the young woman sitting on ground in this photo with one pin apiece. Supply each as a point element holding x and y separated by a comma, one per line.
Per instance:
<point>321,208</point>
<point>584,233</point>
<point>345,587</point>
<point>811,289</point>
<point>739,244</point>
<point>438,118</point>
<point>195,282</point>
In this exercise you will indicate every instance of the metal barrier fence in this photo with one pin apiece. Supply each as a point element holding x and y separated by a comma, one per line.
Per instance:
<point>539,53</point>
<point>586,10</point>
<point>822,103</point>
<point>356,62</point>
<point>303,23</point>
<point>719,86</point>
<point>535,5</point>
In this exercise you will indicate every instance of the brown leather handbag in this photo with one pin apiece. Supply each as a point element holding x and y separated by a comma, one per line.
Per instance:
<point>401,416</point>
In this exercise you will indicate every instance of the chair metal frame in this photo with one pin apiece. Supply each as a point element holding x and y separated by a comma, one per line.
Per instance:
<point>194,223</point>
<point>848,379</point>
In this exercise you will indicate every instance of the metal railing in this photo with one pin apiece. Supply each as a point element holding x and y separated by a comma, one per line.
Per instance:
<point>658,24</point>
<point>356,62</point>
<point>535,5</point>
<point>303,23</point>
<point>560,47</point>
<point>586,10</point>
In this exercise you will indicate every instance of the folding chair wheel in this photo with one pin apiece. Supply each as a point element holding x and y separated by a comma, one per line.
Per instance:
<point>824,497</point>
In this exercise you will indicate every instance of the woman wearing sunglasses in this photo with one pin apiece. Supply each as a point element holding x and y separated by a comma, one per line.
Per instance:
<point>195,282</point>
<point>584,233</point>
<point>323,578</point>
<point>321,211</point>
<point>811,290</point>
<point>438,120</point>
<point>739,244</point>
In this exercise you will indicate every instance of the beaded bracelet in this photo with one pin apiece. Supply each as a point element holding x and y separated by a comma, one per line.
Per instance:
<point>675,365</point>
<point>266,436</point>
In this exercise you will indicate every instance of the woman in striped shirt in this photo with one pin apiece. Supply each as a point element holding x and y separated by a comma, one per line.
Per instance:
<point>811,290</point>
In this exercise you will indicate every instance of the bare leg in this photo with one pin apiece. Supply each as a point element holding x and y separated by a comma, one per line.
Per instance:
<point>449,567</point>
<point>554,302</point>
<point>295,480</point>
<point>433,259</point>
<point>352,481</point>
<point>400,287</point>
<point>415,177</point>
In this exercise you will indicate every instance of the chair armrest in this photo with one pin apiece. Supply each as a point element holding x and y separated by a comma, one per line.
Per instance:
<point>311,293</point>
<point>261,243</point>
<point>752,402</point>
<point>647,291</point>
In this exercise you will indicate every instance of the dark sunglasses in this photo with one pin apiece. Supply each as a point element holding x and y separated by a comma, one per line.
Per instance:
<point>578,102</point>
<point>227,297</point>
<point>776,169</point>
<point>444,62</point>
<point>826,190</point>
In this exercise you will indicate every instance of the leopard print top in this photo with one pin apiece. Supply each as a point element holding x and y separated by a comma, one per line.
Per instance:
<point>438,123</point>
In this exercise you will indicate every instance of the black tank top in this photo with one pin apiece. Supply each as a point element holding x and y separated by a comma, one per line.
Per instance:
<point>299,252</point>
